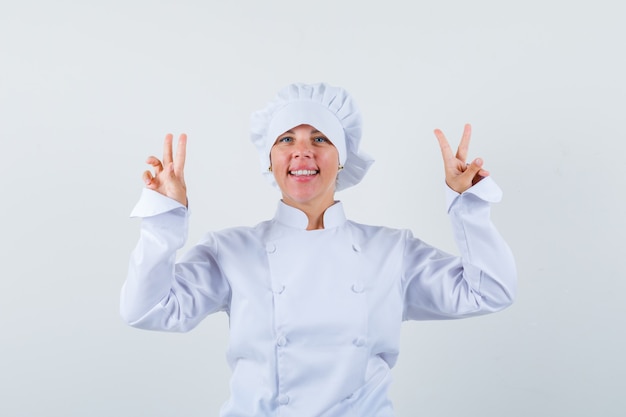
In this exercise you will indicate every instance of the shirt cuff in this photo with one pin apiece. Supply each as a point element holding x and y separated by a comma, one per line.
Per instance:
<point>152,203</point>
<point>486,190</point>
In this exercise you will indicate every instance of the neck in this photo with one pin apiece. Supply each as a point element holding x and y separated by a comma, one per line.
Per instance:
<point>315,223</point>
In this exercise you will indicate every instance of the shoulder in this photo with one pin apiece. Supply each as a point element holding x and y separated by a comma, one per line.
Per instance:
<point>238,234</point>
<point>373,232</point>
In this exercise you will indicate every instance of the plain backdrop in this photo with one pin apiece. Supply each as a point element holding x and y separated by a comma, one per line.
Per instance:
<point>89,89</point>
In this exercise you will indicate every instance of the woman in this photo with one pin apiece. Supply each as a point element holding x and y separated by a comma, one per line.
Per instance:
<point>315,301</point>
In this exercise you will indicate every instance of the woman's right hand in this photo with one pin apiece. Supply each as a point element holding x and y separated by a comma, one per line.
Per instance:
<point>168,178</point>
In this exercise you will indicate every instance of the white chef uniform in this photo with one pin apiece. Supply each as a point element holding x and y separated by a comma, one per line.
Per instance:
<point>314,315</point>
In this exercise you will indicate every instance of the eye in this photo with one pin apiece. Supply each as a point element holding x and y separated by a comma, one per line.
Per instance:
<point>285,139</point>
<point>320,139</point>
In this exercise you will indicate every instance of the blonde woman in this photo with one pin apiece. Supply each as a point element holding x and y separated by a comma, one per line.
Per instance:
<point>315,301</point>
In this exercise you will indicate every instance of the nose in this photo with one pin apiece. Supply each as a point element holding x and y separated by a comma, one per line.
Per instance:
<point>302,149</point>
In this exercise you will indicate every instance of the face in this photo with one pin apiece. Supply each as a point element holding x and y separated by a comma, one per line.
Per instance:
<point>305,165</point>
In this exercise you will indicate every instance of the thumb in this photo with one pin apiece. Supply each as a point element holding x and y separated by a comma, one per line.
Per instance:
<point>475,167</point>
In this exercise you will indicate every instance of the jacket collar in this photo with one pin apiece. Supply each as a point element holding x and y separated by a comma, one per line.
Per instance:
<point>334,216</point>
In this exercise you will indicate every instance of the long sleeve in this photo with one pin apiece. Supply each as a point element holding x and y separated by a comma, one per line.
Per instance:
<point>159,293</point>
<point>482,280</point>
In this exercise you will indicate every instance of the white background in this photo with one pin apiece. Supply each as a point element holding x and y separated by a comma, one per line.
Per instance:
<point>89,89</point>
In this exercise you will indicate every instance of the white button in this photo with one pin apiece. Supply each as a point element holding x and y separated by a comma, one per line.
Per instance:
<point>278,288</point>
<point>359,341</point>
<point>358,287</point>
<point>281,341</point>
<point>270,248</point>
<point>356,247</point>
<point>283,399</point>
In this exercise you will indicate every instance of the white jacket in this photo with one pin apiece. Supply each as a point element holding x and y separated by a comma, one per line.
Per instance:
<point>314,315</point>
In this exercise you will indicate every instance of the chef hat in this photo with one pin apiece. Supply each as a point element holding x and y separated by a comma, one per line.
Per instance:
<point>330,110</point>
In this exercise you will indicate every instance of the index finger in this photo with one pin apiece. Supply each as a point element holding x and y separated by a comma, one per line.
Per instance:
<point>167,149</point>
<point>461,152</point>
<point>446,151</point>
<point>181,154</point>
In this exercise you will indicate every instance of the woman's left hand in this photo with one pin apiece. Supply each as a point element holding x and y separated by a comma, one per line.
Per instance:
<point>460,175</point>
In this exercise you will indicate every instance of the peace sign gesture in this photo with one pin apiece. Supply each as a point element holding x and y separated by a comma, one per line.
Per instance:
<point>460,175</point>
<point>168,176</point>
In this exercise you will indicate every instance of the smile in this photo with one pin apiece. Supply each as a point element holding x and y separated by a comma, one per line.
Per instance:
<point>303,172</point>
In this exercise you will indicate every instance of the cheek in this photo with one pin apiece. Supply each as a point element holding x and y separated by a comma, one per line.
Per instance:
<point>277,159</point>
<point>331,159</point>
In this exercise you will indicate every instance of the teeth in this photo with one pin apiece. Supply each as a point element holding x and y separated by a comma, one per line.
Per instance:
<point>301,172</point>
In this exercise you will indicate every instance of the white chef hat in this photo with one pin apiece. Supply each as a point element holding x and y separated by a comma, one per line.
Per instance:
<point>330,110</point>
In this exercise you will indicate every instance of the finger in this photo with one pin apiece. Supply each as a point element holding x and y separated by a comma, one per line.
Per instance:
<point>147,178</point>
<point>446,151</point>
<point>167,149</point>
<point>483,173</point>
<point>474,168</point>
<point>169,169</point>
<point>463,148</point>
<point>181,154</point>
<point>155,162</point>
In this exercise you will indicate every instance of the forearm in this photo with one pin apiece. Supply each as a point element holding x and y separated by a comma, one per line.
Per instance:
<point>488,264</point>
<point>151,268</point>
